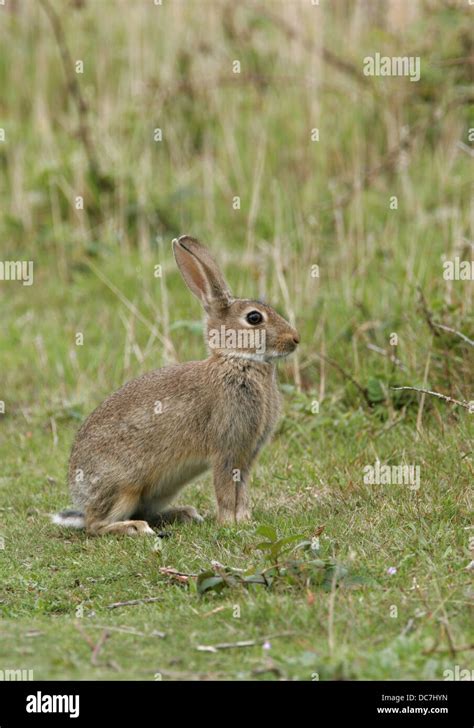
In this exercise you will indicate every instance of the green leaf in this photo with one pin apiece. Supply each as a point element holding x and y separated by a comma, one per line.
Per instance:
<point>304,545</point>
<point>339,575</point>
<point>267,532</point>
<point>208,581</point>
<point>375,391</point>
<point>264,546</point>
<point>278,547</point>
<point>288,540</point>
<point>256,578</point>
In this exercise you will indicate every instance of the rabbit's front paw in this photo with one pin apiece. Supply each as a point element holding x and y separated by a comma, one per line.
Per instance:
<point>225,518</point>
<point>242,515</point>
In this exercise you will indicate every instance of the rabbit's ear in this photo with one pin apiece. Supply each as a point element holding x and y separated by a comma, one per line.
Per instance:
<point>201,273</point>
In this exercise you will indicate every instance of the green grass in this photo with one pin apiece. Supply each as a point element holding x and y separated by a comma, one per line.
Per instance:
<point>47,574</point>
<point>300,206</point>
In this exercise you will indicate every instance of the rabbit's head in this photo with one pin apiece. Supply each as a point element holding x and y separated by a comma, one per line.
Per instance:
<point>238,327</point>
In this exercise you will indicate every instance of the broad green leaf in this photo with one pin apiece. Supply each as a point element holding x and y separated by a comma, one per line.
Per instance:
<point>375,391</point>
<point>267,532</point>
<point>264,546</point>
<point>208,581</point>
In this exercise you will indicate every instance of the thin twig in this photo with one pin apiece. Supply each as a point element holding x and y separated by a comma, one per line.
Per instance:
<point>332,602</point>
<point>288,305</point>
<point>76,93</point>
<point>465,148</point>
<point>169,571</point>
<point>436,394</point>
<point>98,647</point>
<point>327,55</point>
<point>453,331</point>
<point>213,611</point>
<point>345,374</point>
<point>84,635</point>
<point>130,631</point>
<point>427,313</point>
<point>383,352</point>
<point>242,643</point>
<point>131,306</point>
<point>460,648</point>
<point>134,602</point>
<point>419,417</point>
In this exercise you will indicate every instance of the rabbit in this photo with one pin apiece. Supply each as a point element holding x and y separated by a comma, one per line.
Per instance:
<point>137,450</point>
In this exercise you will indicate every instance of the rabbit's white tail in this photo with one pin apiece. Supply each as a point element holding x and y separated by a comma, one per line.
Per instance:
<point>69,519</point>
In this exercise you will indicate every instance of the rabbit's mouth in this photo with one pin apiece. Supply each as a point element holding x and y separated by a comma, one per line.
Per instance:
<point>281,354</point>
<point>286,347</point>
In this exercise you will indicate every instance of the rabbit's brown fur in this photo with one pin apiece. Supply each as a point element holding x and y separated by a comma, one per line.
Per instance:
<point>148,439</point>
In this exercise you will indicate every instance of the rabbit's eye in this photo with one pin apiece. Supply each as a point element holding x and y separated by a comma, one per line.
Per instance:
<point>254,317</point>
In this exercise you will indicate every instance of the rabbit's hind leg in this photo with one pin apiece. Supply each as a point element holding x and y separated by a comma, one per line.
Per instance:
<point>121,528</point>
<point>102,518</point>
<point>157,511</point>
<point>183,514</point>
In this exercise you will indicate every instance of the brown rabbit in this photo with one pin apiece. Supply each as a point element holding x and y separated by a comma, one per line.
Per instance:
<point>135,452</point>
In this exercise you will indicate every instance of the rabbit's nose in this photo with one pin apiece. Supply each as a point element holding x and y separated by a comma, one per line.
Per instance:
<point>296,337</point>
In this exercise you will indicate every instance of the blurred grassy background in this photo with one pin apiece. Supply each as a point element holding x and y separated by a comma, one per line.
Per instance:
<point>303,203</point>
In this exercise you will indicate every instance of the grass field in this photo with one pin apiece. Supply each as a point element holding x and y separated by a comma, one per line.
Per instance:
<point>382,589</point>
